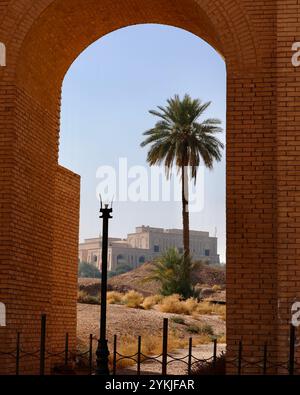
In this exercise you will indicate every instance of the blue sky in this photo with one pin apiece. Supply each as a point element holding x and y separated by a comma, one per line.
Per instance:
<point>107,93</point>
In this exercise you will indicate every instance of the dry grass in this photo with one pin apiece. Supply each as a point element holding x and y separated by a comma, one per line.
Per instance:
<point>206,308</point>
<point>190,305</point>
<point>168,304</point>
<point>133,299</point>
<point>114,297</point>
<point>151,346</point>
<point>173,304</point>
<point>151,301</point>
<point>222,339</point>
<point>128,323</point>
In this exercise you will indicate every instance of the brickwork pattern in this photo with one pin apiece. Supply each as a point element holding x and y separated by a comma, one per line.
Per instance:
<point>43,37</point>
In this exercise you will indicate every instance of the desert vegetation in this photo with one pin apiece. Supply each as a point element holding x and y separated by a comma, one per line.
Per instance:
<point>174,272</point>
<point>174,304</point>
<point>129,323</point>
<point>136,307</point>
<point>208,279</point>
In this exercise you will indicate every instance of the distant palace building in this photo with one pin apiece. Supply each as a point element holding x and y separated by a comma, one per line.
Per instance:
<point>147,244</point>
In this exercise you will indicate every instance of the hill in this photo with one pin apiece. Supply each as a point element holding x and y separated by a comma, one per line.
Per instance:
<point>206,276</point>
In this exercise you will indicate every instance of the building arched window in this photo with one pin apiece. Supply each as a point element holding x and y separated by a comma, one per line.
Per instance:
<point>156,248</point>
<point>121,259</point>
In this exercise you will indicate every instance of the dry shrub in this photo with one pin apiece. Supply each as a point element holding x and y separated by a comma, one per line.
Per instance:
<point>222,339</point>
<point>175,342</point>
<point>133,299</point>
<point>190,305</point>
<point>201,339</point>
<point>151,301</point>
<point>83,297</point>
<point>220,310</point>
<point>206,308</point>
<point>173,304</point>
<point>222,313</point>
<point>151,346</point>
<point>127,346</point>
<point>114,297</point>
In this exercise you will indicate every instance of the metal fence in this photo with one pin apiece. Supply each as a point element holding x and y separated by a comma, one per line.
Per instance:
<point>265,365</point>
<point>84,362</point>
<point>164,359</point>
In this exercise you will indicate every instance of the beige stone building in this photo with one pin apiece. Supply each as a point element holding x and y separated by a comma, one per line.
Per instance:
<point>147,244</point>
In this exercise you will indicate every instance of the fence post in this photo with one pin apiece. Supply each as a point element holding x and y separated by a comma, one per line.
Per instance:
<point>91,355</point>
<point>292,350</point>
<point>67,350</point>
<point>139,356</point>
<point>115,356</point>
<point>265,359</point>
<point>43,344</point>
<point>18,355</point>
<point>190,356</point>
<point>215,353</point>
<point>165,347</point>
<point>240,358</point>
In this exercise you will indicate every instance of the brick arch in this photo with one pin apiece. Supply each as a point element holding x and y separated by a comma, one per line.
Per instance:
<point>78,23</point>
<point>39,200</point>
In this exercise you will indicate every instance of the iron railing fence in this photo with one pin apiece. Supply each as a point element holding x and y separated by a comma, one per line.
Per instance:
<point>83,362</point>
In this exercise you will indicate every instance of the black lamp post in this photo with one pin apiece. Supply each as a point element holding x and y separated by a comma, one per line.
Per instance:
<point>102,349</point>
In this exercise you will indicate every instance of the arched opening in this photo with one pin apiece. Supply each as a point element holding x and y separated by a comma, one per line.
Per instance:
<point>104,115</point>
<point>142,260</point>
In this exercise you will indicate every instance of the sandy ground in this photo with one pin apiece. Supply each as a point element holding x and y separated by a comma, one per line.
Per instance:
<point>122,320</point>
<point>134,322</point>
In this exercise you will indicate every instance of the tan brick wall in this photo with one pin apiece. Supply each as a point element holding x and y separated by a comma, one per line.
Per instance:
<point>65,260</point>
<point>43,38</point>
<point>288,176</point>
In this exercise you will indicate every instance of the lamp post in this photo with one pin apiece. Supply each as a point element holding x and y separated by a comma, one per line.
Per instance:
<point>102,352</point>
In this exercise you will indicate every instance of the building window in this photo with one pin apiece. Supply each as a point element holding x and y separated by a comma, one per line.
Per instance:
<point>180,250</point>
<point>156,248</point>
<point>207,252</point>
<point>142,259</point>
<point>120,259</point>
<point>95,258</point>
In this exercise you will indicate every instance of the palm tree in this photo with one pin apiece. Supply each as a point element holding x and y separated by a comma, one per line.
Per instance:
<point>175,273</point>
<point>179,138</point>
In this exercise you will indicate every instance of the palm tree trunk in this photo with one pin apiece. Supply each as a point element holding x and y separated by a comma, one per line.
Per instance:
<point>185,210</point>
